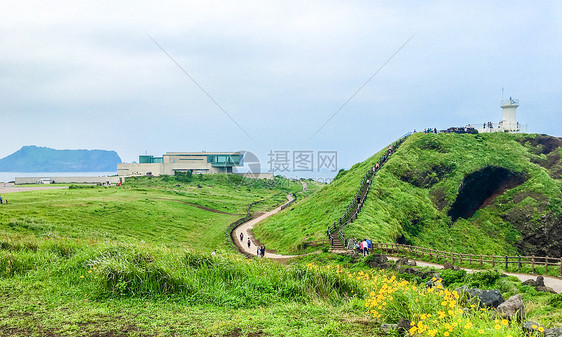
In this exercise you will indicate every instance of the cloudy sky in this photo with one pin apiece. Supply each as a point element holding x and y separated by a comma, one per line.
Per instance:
<point>75,75</point>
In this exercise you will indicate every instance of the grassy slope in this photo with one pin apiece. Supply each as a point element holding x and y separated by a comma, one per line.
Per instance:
<point>308,219</point>
<point>149,210</point>
<point>395,206</point>
<point>61,287</point>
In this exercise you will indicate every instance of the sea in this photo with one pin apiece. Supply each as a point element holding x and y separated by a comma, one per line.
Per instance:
<point>11,176</point>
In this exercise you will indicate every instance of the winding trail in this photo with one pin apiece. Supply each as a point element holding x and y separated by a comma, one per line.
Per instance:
<point>246,230</point>
<point>549,281</point>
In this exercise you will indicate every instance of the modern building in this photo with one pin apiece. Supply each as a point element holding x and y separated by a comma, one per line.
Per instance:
<point>508,123</point>
<point>172,162</point>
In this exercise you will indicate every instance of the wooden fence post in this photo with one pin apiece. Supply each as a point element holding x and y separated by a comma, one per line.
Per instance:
<point>481,262</point>
<point>519,269</point>
<point>506,267</point>
<point>533,264</point>
<point>493,261</point>
<point>561,266</point>
<point>546,264</point>
<point>453,258</point>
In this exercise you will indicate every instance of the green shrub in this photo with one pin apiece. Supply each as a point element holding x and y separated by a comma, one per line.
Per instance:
<point>451,276</point>
<point>483,279</point>
<point>556,301</point>
<point>183,177</point>
<point>76,187</point>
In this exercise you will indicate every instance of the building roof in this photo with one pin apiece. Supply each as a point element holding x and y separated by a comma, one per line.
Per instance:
<point>199,153</point>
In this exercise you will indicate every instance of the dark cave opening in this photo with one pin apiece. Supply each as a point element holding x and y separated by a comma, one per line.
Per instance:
<point>480,188</point>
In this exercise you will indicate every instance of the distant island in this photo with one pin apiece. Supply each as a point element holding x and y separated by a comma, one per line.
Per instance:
<point>43,159</point>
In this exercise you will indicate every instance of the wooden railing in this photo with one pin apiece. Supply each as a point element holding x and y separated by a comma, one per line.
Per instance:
<point>358,200</point>
<point>434,255</point>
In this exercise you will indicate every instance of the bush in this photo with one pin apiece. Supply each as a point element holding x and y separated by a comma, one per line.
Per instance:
<point>484,279</point>
<point>556,301</point>
<point>183,177</point>
<point>451,276</point>
<point>76,187</point>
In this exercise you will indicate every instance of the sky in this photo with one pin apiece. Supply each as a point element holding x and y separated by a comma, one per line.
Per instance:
<point>265,76</point>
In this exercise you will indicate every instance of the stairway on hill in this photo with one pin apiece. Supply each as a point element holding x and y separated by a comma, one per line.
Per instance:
<point>354,207</point>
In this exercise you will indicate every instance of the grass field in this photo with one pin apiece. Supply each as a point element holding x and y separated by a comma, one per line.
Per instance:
<point>55,287</point>
<point>150,210</point>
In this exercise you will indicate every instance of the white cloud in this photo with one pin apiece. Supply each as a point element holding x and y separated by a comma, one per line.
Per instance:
<point>279,68</point>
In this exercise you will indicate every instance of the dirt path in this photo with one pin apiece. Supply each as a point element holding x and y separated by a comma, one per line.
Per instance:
<point>246,230</point>
<point>549,281</point>
<point>11,188</point>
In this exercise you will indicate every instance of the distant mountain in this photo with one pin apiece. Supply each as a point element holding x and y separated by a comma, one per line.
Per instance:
<point>43,159</point>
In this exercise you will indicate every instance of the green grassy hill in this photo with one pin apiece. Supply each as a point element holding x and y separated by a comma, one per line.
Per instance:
<point>162,211</point>
<point>486,193</point>
<point>308,219</point>
<point>135,261</point>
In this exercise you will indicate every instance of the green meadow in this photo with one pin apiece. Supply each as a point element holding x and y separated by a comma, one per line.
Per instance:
<point>147,210</point>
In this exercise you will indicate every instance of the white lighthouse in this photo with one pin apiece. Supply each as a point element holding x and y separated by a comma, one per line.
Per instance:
<point>509,121</point>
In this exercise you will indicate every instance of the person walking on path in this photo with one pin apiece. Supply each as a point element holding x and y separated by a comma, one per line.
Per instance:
<point>0,200</point>
<point>262,251</point>
<point>241,237</point>
<point>365,247</point>
<point>249,243</point>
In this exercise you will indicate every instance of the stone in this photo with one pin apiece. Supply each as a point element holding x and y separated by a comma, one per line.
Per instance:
<point>513,308</point>
<point>554,332</point>
<point>528,326</point>
<point>404,325</point>
<point>404,262</point>
<point>378,261</point>
<point>448,265</point>
<point>490,298</point>
<point>388,327</point>
<point>545,289</point>
<point>539,282</point>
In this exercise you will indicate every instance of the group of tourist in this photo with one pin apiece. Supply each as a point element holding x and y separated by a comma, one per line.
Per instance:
<point>363,246</point>
<point>429,130</point>
<point>260,252</point>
